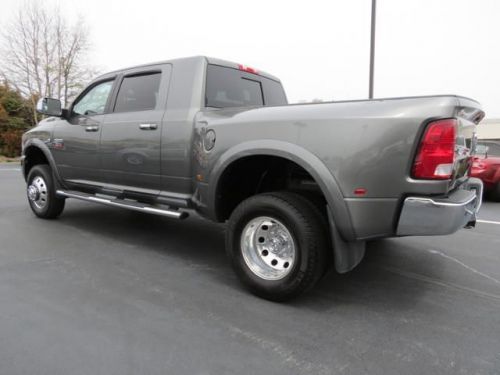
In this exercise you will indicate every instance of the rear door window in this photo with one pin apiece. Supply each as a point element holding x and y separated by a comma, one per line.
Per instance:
<point>138,93</point>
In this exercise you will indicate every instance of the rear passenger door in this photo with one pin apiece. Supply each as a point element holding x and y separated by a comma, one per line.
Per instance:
<point>130,139</point>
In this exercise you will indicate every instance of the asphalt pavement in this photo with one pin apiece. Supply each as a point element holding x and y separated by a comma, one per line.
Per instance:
<point>107,291</point>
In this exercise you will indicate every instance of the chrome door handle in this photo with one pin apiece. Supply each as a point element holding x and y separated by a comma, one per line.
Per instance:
<point>92,128</point>
<point>148,126</point>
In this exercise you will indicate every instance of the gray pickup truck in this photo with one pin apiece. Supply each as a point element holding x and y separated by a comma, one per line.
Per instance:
<point>302,186</point>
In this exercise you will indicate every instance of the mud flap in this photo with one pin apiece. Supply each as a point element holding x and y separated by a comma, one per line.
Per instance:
<point>347,255</point>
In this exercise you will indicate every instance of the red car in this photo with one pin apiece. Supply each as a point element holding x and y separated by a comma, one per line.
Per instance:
<point>487,168</point>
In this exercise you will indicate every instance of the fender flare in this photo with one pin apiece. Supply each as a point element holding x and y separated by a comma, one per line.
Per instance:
<point>310,162</point>
<point>42,146</point>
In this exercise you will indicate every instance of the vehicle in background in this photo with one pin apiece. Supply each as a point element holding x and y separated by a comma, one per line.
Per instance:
<point>487,168</point>
<point>493,146</point>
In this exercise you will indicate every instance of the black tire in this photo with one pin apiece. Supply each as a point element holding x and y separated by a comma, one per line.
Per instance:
<point>495,193</point>
<point>48,206</point>
<point>303,221</point>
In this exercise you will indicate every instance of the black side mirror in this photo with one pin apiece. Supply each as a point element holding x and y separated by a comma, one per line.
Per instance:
<point>49,107</point>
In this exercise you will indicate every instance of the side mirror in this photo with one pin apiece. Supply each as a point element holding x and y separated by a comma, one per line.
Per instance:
<point>49,107</point>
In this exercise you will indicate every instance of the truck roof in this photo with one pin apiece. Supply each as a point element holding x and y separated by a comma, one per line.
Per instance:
<point>209,60</point>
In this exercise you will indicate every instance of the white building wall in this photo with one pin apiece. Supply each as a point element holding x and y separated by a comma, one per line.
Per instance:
<point>489,129</point>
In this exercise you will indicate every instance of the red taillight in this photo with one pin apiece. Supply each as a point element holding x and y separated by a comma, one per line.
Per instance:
<point>247,69</point>
<point>436,152</point>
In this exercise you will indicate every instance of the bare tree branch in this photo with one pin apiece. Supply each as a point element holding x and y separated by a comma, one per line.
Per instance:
<point>43,55</point>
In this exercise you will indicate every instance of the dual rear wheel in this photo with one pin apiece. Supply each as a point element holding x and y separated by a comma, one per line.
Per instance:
<point>277,244</point>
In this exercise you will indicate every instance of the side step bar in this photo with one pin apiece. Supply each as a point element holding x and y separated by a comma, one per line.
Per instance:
<point>130,205</point>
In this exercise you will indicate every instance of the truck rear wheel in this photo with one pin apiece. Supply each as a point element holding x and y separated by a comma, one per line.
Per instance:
<point>41,193</point>
<point>277,243</point>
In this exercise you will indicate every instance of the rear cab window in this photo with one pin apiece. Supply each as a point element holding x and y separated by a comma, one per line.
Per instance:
<point>229,87</point>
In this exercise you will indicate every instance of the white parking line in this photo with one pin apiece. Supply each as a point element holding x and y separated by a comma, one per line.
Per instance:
<point>488,222</point>
<point>432,251</point>
<point>10,169</point>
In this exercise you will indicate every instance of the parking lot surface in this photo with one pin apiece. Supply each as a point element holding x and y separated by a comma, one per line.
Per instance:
<point>108,291</point>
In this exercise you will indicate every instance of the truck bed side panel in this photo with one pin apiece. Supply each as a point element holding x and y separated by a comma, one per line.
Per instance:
<point>363,144</point>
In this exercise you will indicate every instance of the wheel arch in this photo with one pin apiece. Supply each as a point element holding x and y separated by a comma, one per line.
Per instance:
<point>37,152</point>
<point>296,154</point>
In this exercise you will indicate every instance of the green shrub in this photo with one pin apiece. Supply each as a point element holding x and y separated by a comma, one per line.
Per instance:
<point>15,119</point>
<point>11,142</point>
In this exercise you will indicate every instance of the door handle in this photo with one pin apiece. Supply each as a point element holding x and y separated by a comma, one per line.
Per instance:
<point>148,126</point>
<point>91,128</point>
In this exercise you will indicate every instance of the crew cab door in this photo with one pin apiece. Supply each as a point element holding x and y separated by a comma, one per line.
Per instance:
<point>131,135</point>
<point>76,139</point>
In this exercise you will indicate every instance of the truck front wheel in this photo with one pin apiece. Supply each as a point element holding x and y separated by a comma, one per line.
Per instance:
<point>277,243</point>
<point>41,193</point>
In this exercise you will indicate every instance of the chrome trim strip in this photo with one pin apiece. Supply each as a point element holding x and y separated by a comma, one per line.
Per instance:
<point>434,203</point>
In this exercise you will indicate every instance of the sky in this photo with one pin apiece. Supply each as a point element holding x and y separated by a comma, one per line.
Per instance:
<point>319,49</point>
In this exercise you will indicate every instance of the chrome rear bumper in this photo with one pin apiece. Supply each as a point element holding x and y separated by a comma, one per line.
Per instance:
<point>422,216</point>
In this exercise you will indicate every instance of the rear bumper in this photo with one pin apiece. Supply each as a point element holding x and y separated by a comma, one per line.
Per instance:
<point>423,216</point>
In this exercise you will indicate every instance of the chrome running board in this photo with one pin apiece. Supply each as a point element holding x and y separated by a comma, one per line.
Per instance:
<point>130,205</point>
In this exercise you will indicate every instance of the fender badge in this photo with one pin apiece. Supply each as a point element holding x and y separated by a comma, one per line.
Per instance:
<point>58,144</point>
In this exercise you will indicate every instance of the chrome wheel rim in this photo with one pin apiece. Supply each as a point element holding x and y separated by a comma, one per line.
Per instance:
<point>268,248</point>
<point>37,192</point>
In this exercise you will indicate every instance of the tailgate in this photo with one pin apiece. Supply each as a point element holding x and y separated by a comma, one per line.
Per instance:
<point>468,114</point>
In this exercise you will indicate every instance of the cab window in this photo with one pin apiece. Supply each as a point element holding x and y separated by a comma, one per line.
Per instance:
<point>229,87</point>
<point>94,101</point>
<point>138,93</point>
